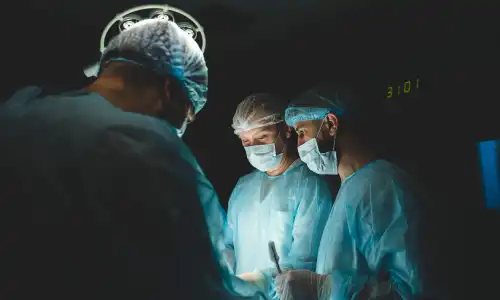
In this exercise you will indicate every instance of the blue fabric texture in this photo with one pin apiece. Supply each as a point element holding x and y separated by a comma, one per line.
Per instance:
<point>372,229</point>
<point>109,193</point>
<point>315,103</point>
<point>290,210</point>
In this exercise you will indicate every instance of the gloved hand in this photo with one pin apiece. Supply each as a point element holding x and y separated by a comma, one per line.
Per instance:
<point>256,278</point>
<point>302,285</point>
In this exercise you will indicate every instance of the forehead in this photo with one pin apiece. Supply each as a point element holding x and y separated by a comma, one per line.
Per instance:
<point>308,125</point>
<point>252,133</point>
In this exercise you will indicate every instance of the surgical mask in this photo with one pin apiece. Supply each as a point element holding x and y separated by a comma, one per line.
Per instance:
<point>180,131</point>
<point>263,157</point>
<point>319,163</point>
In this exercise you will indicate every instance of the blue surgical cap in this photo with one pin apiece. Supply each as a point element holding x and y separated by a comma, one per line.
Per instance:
<point>169,51</point>
<point>319,101</point>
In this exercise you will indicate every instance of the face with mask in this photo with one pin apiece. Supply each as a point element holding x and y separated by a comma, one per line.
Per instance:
<point>180,131</point>
<point>263,146</point>
<point>315,150</point>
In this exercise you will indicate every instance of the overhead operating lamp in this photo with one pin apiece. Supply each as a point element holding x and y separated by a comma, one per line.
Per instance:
<point>127,19</point>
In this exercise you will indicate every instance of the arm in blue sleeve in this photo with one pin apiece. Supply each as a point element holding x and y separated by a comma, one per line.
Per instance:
<point>311,215</point>
<point>228,254</point>
<point>214,214</point>
<point>387,234</point>
<point>145,193</point>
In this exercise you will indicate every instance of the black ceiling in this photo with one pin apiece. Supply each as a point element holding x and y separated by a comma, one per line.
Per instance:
<point>285,46</point>
<point>281,45</point>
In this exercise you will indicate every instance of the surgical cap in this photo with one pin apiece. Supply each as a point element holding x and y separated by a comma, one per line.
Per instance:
<point>258,110</point>
<point>319,101</point>
<point>168,51</point>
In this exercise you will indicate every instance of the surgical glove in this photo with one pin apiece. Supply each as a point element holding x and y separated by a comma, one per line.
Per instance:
<point>302,285</point>
<point>256,278</point>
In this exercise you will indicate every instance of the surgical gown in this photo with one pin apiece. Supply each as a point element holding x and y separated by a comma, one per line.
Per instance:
<point>74,157</point>
<point>372,230</point>
<point>291,210</point>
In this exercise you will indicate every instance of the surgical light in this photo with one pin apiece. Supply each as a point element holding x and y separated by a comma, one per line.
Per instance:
<point>128,22</point>
<point>162,15</point>
<point>189,29</point>
<point>127,19</point>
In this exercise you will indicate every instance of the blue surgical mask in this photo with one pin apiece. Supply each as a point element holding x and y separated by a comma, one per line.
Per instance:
<point>180,131</point>
<point>319,163</point>
<point>263,157</point>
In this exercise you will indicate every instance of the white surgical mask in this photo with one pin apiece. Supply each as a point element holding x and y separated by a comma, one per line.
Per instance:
<point>319,163</point>
<point>180,131</point>
<point>263,157</point>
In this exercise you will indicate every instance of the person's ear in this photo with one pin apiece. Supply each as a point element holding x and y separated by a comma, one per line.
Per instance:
<point>332,124</point>
<point>163,99</point>
<point>191,115</point>
<point>174,96</point>
<point>167,90</point>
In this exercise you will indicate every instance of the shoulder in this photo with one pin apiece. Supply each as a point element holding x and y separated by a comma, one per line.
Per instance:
<point>246,184</point>
<point>381,186</point>
<point>99,130</point>
<point>394,179</point>
<point>152,140</point>
<point>306,187</point>
<point>19,96</point>
<point>248,179</point>
<point>380,174</point>
<point>305,176</point>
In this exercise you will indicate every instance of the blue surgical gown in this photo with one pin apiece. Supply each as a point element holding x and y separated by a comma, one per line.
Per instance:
<point>56,144</point>
<point>97,108</point>
<point>372,230</point>
<point>290,209</point>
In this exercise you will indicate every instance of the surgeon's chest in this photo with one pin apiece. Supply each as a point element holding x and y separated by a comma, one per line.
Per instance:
<point>269,204</point>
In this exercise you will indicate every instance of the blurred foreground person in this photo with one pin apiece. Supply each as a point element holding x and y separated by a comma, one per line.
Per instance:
<point>369,247</point>
<point>282,201</point>
<point>100,197</point>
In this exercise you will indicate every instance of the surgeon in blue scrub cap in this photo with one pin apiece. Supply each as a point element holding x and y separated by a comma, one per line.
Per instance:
<point>281,201</point>
<point>369,245</point>
<point>156,69</point>
<point>155,59</point>
<point>101,198</point>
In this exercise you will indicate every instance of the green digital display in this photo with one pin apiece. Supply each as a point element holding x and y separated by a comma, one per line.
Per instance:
<point>403,88</point>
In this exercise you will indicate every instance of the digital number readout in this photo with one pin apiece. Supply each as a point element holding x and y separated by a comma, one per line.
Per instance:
<point>407,87</point>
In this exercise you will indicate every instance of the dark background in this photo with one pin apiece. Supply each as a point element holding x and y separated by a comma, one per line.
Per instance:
<point>285,47</point>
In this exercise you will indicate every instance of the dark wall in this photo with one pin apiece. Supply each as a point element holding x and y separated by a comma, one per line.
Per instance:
<point>371,46</point>
<point>432,132</point>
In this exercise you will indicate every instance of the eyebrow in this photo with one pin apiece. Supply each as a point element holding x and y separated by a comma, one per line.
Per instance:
<point>263,131</point>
